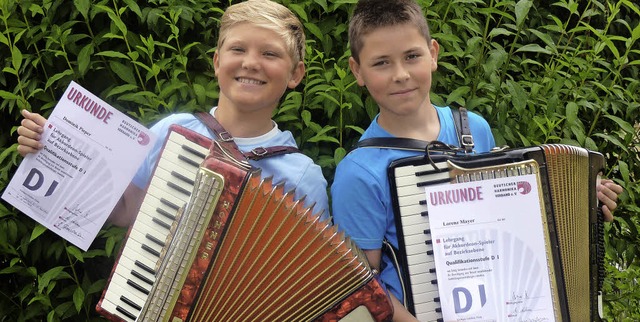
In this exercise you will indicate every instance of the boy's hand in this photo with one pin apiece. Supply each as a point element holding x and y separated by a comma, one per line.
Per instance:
<point>608,192</point>
<point>29,132</point>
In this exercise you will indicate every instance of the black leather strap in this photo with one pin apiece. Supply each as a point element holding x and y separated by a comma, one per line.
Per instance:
<point>461,121</point>
<point>255,154</point>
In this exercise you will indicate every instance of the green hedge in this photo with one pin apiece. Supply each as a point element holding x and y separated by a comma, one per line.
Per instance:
<point>563,72</point>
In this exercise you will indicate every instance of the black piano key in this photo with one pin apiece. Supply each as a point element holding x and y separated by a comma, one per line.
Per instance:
<point>161,223</point>
<point>432,270</point>
<point>145,267</point>
<point>169,203</point>
<point>424,213</point>
<point>179,189</point>
<point>194,152</point>
<point>430,172</point>
<point>166,214</point>
<point>440,319</point>
<point>423,202</point>
<point>151,250</point>
<point>428,183</point>
<point>439,310</point>
<point>427,231</point>
<point>436,299</point>
<point>142,277</point>
<point>125,312</point>
<point>137,287</point>
<point>189,161</point>
<point>430,252</point>
<point>131,303</point>
<point>155,240</point>
<point>434,282</point>
<point>428,242</point>
<point>183,178</point>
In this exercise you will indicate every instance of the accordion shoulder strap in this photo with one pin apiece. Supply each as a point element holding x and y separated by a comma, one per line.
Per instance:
<point>461,121</point>
<point>255,154</point>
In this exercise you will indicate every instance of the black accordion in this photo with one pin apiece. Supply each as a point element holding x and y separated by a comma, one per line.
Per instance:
<point>574,240</point>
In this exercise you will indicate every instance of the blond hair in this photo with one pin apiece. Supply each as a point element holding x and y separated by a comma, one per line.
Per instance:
<point>269,15</point>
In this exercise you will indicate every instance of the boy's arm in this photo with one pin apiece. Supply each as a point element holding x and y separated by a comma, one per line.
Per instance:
<point>400,313</point>
<point>126,210</point>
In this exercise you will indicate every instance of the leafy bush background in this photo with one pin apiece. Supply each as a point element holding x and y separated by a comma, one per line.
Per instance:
<point>539,72</point>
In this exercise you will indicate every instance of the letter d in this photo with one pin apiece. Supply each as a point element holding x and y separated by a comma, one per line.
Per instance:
<point>456,299</point>
<point>28,181</point>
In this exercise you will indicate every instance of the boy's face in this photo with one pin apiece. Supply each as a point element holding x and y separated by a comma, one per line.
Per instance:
<point>254,68</point>
<point>396,63</point>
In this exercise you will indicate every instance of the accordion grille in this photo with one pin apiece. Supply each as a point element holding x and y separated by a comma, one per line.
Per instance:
<point>278,262</point>
<point>568,175</point>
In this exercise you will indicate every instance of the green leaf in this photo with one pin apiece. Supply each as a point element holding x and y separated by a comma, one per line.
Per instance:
<point>339,154</point>
<point>534,48</point>
<point>113,54</point>
<point>37,231</point>
<point>16,58</point>
<point>522,10</point>
<point>624,125</point>
<point>84,58</point>
<point>75,252</point>
<point>83,7</point>
<point>125,73</point>
<point>45,279</point>
<point>78,298</point>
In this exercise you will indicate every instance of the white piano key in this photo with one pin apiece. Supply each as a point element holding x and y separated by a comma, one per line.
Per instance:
<point>412,169</point>
<point>176,166</point>
<point>431,315</point>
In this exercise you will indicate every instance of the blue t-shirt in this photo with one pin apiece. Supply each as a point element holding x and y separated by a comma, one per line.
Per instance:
<point>361,197</point>
<point>296,170</point>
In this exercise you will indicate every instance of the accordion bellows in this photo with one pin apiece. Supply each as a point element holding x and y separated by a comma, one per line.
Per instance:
<point>244,249</point>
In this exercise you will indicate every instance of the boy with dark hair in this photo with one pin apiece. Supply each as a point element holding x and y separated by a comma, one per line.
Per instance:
<point>393,56</point>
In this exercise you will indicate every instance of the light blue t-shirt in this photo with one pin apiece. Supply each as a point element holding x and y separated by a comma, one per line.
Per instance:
<point>361,196</point>
<point>296,170</point>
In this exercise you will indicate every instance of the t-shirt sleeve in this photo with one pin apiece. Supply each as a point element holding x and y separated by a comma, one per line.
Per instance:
<point>357,205</point>
<point>143,176</point>
<point>481,132</point>
<point>313,185</point>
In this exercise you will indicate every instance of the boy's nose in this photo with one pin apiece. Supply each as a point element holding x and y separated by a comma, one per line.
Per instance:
<point>250,62</point>
<point>401,75</point>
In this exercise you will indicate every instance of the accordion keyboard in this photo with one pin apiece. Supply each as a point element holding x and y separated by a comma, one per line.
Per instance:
<point>410,182</point>
<point>169,189</point>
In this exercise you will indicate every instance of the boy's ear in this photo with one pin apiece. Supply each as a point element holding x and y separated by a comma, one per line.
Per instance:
<point>216,63</point>
<point>435,51</point>
<point>296,75</point>
<point>355,69</point>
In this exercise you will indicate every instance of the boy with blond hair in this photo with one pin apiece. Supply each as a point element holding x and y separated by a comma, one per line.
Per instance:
<point>394,56</point>
<point>260,54</point>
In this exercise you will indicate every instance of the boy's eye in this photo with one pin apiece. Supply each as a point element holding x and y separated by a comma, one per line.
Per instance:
<point>380,63</point>
<point>271,54</point>
<point>412,56</point>
<point>237,49</point>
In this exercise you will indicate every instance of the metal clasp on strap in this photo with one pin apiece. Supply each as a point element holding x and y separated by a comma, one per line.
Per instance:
<point>467,140</point>
<point>225,136</point>
<point>259,151</point>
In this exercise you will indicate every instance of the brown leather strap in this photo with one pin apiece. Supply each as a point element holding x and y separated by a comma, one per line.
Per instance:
<point>255,154</point>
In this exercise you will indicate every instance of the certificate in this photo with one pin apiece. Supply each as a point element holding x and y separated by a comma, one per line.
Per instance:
<point>489,250</point>
<point>91,152</point>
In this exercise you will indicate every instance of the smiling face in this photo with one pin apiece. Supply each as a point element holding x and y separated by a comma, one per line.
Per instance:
<point>254,68</point>
<point>395,64</point>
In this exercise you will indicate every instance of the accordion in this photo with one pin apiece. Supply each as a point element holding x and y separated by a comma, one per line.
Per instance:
<point>214,241</point>
<point>574,233</point>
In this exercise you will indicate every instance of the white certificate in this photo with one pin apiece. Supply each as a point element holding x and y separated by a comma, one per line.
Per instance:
<point>489,248</point>
<point>91,152</point>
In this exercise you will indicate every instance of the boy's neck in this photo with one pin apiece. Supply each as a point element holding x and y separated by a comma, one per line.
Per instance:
<point>423,125</point>
<point>243,125</point>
